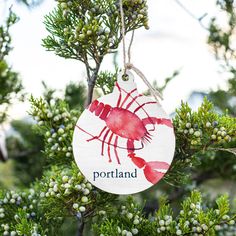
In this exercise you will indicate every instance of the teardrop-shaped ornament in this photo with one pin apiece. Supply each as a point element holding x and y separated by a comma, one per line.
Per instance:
<point>124,142</point>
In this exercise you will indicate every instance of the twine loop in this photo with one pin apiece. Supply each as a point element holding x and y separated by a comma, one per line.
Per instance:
<point>128,65</point>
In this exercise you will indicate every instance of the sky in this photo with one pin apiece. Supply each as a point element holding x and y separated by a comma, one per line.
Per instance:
<point>174,41</point>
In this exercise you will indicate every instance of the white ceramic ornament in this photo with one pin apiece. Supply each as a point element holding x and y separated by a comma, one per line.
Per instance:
<point>124,142</point>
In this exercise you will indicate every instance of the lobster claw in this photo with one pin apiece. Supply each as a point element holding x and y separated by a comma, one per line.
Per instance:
<point>152,175</point>
<point>150,172</point>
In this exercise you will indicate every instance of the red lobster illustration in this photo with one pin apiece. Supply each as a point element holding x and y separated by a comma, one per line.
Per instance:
<point>121,122</point>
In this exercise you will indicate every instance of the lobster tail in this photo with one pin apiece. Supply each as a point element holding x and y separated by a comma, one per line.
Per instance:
<point>99,109</point>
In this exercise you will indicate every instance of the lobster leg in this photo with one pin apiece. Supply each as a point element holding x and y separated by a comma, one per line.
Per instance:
<point>115,149</point>
<point>108,146</point>
<point>158,121</point>
<point>128,94</point>
<point>103,141</point>
<point>144,104</point>
<point>120,96</point>
<point>97,137</point>
<point>133,100</point>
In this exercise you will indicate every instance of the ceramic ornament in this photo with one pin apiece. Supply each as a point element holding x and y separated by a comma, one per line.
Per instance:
<point>124,142</point>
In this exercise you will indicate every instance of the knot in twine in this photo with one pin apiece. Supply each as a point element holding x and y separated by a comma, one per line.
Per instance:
<point>155,93</point>
<point>128,65</point>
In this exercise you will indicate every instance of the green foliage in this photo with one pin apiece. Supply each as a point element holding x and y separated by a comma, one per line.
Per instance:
<point>25,148</point>
<point>75,95</point>
<point>197,133</point>
<point>194,218</point>
<point>90,29</point>
<point>5,45</point>
<point>19,213</point>
<point>10,86</point>
<point>221,38</point>
<point>65,192</point>
<point>198,130</point>
<point>224,99</point>
<point>106,81</point>
<point>56,124</point>
<point>10,83</point>
<point>61,194</point>
<point>124,218</point>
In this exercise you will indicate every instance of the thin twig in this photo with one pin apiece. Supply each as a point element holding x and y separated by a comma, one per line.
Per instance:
<point>199,19</point>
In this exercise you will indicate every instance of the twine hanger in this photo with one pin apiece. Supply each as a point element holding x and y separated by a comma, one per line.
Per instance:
<point>128,65</point>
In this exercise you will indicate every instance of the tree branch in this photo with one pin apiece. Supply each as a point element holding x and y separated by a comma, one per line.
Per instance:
<point>80,228</point>
<point>2,158</point>
<point>91,83</point>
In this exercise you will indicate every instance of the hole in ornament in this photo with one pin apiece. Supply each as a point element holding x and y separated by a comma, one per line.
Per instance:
<point>125,77</point>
